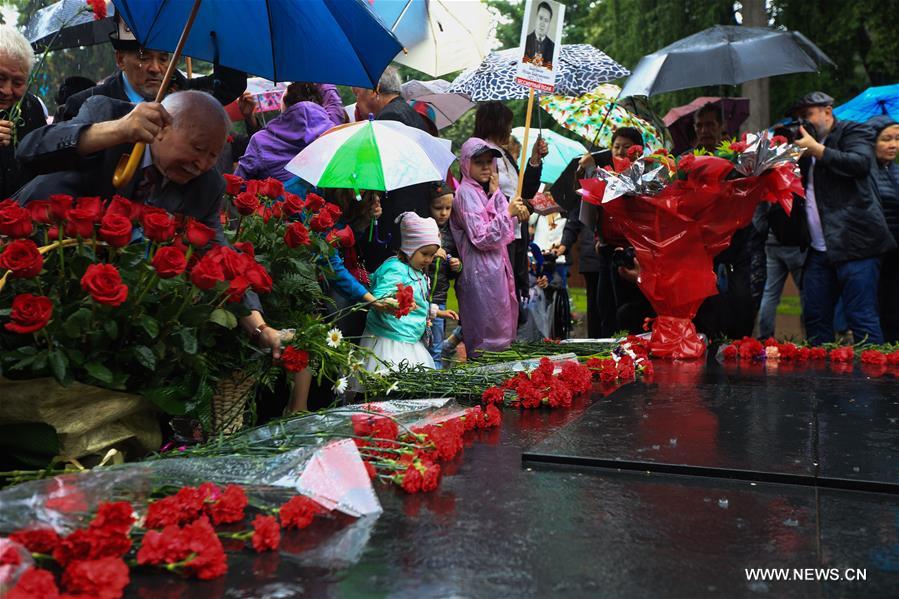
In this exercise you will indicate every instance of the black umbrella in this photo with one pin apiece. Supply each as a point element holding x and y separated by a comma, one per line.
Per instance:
<point>724,55</point>
<point>76,26</point>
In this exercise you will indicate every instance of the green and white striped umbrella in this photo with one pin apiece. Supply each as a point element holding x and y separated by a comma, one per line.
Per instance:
<point>375,155</point>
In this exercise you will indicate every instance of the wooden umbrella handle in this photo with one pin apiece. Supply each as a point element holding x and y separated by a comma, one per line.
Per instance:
<point>128,163</point>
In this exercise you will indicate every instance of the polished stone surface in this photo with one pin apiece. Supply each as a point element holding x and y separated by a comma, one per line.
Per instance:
<point>497,528</point>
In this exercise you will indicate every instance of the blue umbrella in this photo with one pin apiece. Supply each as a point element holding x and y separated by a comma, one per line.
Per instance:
<point>408,19</point>
<point>333,41</point>
<point>873,101</point>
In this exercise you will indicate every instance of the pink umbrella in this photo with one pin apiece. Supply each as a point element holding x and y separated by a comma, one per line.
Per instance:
<point>679,120</point>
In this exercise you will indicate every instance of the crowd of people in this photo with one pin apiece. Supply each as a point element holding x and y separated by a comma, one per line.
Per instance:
<point>839,244</point>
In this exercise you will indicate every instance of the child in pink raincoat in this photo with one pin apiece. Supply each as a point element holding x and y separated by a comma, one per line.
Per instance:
<point>483,223</point>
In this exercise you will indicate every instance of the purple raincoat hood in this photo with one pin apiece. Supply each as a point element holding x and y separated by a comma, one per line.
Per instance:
<point>283,138</point>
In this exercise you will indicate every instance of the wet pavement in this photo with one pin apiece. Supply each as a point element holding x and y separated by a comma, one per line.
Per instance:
<point>500,528</point>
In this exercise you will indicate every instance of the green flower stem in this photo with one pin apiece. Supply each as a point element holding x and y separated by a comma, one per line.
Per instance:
<point>188,299</point>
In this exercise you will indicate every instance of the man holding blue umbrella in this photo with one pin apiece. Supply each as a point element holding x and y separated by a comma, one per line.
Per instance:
<point>141,71</point>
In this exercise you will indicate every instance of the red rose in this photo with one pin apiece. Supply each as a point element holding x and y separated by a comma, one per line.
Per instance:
<point>34,583</point>
<point>115,230</point>
<point>79,223</point>
<point>295,360</point>
<point>125,207</point>
<point>341,238</point>
<point>233,263</point>
<point>233,183</point>
<point>104,578</point>
<point>293,203</point>
<point>92,205</point>
<point>314,202</point>
<point>258,277</point>
<point>37,540</point>
<point>334,209</point>
<point>104,283</point>
<point>246,203</point>
<point>254,187</point>
<point>22,257</point>
<point>159,226</point>
<point>237,287</point>
<point>272,188</point>
<point>296,235</point>
<point>322,221</point>
<point>40,211</point>
<point>169,262</point>
<point>198,234</point>
<point>59,205</point>
<point>634,152</point>
<point>29,313</point>
<point>299,511</point>
<point>245,247</point>
<point>266,533</point>
<point>207,273</point>
<point>15,221</point>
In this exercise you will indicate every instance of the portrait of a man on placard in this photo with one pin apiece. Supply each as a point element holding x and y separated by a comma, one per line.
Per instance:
<point>539,47</point>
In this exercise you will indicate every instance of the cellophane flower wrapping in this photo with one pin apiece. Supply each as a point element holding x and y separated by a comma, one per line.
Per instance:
<point>678,231</point>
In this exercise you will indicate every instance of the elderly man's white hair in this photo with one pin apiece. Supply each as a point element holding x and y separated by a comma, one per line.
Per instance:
<point>14,45</point>
<point>390,82</point>
<point>196,108</point>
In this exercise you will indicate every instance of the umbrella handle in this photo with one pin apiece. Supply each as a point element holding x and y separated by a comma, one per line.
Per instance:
<point>604,119</point>
<point>125,170</point>
<point>128,163</point>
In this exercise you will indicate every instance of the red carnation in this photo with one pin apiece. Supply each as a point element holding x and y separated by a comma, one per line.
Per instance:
<point>33,584</point>
<point>817,353</point>
<point>233,183</point>
<point>412,480</point>
<point>184,506</point>
<point>91,543</point>
<point>492,417</point>
<point>207,273</point>
<point>29,313</point>
<point>209,561</point>
<point>686,163</point>
<point>730,352</point>
<point>246,203</point>
<point>430,478</point>
<point>299,512</point>
<point>296,235</point>
<point>115,229</point>
<point>166,547</point>
<point>169,262</point>
<point>872,356</point>
<point>406,299</point>
<point>842,354</point>
<point>322,221</point>
<point>21,256</point>
<point>104,283</point>
<point>114,516</point>
<point>37,540</point>
<point>295,360</point>
<point>159,225</point>
<point>493,395</point>
<point>98,7</point>
<point>15,221</point>
<point>229,507</point>
<point>314,202</point>
<point>104,578</point>
<point>266,533</point>
<point>198,234</point>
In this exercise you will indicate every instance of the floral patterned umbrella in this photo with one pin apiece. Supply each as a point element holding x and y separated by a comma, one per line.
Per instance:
<point>586,114</point>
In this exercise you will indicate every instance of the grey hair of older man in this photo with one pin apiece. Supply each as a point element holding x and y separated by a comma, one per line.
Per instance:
<point>14,45</point>
<point>194,108</point>
<point>390,82</point>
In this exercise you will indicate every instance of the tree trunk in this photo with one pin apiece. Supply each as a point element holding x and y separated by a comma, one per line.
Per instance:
<point>754,15</point>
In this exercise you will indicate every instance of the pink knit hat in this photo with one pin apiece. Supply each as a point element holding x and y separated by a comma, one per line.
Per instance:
<point>417,232</point>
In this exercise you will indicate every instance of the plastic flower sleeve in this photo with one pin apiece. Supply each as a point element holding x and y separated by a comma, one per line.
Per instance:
<point>10,571</point>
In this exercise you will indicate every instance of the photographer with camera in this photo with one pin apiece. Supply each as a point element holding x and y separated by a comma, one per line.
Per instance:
<point>847,230</point>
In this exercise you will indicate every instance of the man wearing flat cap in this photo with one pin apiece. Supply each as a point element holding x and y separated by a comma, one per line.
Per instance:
<point>141,71</point>
<point>848,232</point>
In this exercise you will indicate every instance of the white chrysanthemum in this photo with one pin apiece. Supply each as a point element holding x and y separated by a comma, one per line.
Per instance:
<point>393,387</point>
<point>341,385</point>
<point>334,337</point>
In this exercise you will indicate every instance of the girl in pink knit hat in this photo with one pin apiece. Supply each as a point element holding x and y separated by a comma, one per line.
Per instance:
<point>397,339</point>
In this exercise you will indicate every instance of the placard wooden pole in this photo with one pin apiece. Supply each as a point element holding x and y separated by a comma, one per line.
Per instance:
<point>524,144</point>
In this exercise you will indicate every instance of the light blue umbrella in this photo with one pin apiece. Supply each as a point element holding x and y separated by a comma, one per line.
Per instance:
<point>408,19</point>
<point>333,41</point>
<point>561,151</point>
<point>873,101</point>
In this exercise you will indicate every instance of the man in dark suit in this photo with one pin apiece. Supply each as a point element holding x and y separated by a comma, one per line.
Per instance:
<point>141,72</point>
<point>184,136</point>
<point>538,47</point>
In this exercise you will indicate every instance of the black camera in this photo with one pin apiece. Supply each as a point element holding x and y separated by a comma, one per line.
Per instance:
<point>549,265</point>
<point>624,257</point>
<point>790,130</point>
